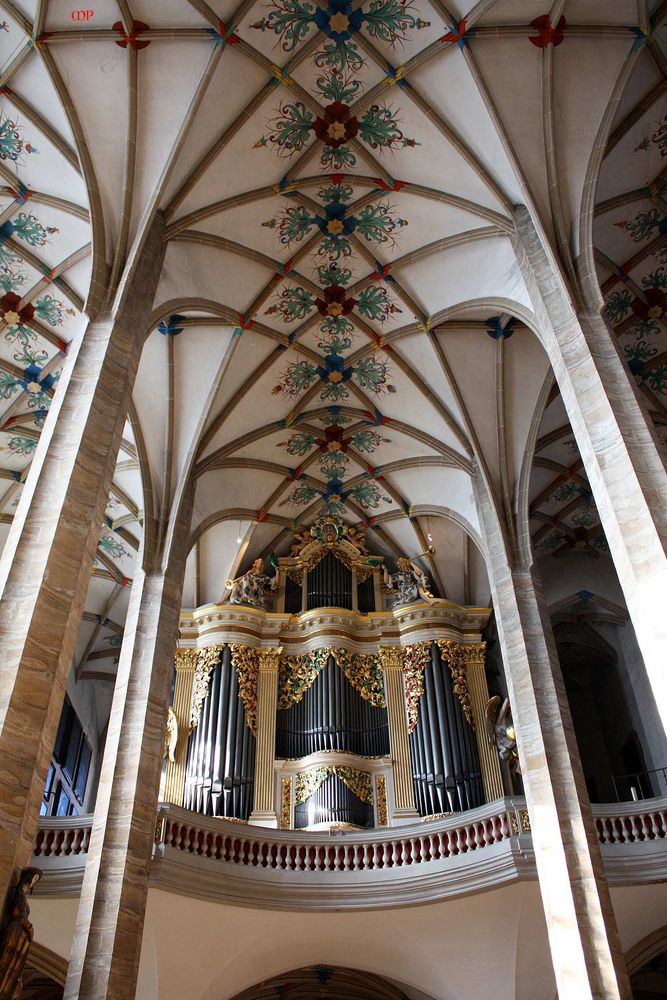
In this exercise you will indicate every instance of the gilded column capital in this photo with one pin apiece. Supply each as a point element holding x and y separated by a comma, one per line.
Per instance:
<point>186,659</point>
<point>269,659</point>
<point>471,653</point>
<point>391,657</point>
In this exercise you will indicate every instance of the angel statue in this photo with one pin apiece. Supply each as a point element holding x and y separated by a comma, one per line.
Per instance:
<point>410,583</point>
<point>17,935</point>
<point>254,587</point>
<point>501,732</point>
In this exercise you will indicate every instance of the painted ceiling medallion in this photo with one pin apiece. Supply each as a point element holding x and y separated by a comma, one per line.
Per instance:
<point>336,126</point>
<point>376,223</point>
<point>370,373</point>
<point>384,21</point>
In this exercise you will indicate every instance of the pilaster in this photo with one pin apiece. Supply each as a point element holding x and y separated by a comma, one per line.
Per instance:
<point>264,806</point>
<point>186,661</point>
<point>391,658</point>
<point>472,658</point>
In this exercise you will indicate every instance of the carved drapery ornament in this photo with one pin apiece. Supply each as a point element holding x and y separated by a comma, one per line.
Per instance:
<point>364,673</point>
<point>459,656</point>
<point>362,670</point>
<point>415,660</point>
<point>359,782</point>
<point>245,660</point>
<point>206,660</point>
<point>297,673</point>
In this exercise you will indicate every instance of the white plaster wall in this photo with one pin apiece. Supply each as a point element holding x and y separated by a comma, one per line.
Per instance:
<point>493,944</point>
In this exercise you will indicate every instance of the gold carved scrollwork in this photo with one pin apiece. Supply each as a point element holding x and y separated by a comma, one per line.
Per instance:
<point>297,673</point>
<point>364,673</point>
<point>381,800</point>
<point>205,661</point>
<point>458,657</point>
<point>415,659</point>
<point>246,663</point>
<point>359,782</point>
<point>286,804</point>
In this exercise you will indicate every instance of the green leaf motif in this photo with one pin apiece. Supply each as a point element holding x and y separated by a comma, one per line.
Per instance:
<point>23,446</point>
<point>294,303</point>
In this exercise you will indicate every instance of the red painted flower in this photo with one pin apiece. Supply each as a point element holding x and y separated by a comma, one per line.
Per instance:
<point>336,126</point>
<point>10,312</point>
<point>333,440</point>
<point>335,302</point>
<point>653,308</point>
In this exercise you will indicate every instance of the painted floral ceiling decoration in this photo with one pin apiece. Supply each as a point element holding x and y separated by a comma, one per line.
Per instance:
<point>338,181</point>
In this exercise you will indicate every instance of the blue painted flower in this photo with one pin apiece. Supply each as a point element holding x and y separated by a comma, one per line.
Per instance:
<point>338,21</point>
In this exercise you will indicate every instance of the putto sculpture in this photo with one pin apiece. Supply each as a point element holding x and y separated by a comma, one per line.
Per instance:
<point>501,730</point>
<point>253,588</point>
<point>408,584</point>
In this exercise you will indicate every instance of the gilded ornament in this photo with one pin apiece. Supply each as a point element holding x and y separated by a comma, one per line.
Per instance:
<point>307,782</point>
<point>364,673</point>
<point>206,660</point>
<point>246,663</point>
<point>416,658</point>
<point>297,673</point>
<point>457,657</point>
<point>381,800</point>
<point>286,804</point>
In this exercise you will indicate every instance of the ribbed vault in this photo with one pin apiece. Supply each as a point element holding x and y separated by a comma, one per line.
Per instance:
<point>342,322</point>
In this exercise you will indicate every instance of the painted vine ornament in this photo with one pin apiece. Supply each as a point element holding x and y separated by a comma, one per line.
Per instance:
<point>334,304</point>
<point>332,447</point>
<point>336,126</point>
<point>386,21</point>
<point>12,143</point>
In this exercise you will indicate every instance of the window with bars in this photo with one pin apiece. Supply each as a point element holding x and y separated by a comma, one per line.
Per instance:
<point>67,778</point>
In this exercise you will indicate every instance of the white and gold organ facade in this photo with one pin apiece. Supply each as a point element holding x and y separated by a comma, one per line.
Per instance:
<point>332,716</point>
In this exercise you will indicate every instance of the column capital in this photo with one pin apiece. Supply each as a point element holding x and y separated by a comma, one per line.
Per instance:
<point>186,660</point>
<point>391,657</point>
<point>470,653</point>
<point>269,659</point>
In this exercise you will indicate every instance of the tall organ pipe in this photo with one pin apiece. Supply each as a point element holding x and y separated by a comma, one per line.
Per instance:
<point>221,750</point>
<point>445,762</point>
<point>332,715</point>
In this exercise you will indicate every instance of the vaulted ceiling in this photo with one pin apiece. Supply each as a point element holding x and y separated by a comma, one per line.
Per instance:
<point>341,322</point>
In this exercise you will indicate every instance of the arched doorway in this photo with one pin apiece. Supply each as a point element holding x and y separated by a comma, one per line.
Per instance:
<point>319,982</point>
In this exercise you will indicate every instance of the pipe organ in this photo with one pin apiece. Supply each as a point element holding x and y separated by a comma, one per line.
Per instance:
<point>331,711</point>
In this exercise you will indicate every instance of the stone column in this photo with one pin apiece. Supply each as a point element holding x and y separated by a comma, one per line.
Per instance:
<point>264,805</point>
<point>107,938</point>
<point>585,947</point>
<point>186,661</point>
<point>472,658</point>
<point>391,658</point>
<point>48,557</point>
<point>617,443</point>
